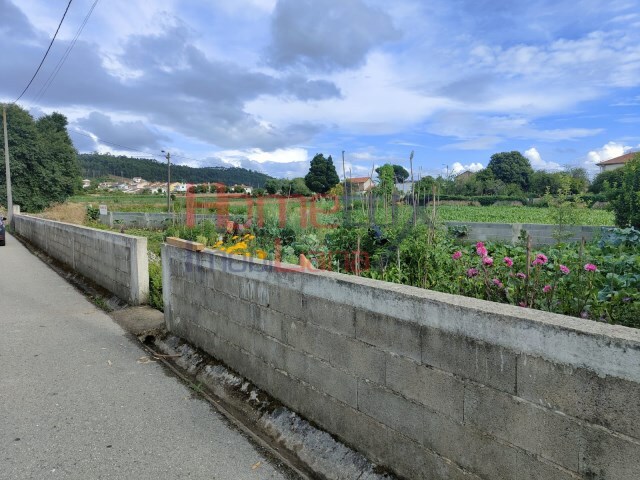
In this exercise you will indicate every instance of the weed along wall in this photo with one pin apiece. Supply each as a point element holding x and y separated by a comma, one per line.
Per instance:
<point>433,386</point>
<point>114,261</point>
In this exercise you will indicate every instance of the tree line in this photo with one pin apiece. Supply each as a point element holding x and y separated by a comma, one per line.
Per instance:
<point>95,165</point>
<point>44,163</point>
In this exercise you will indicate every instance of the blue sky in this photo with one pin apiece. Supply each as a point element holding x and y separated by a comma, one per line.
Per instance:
<point>266,84</point>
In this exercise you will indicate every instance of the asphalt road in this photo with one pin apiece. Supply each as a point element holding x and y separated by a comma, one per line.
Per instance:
<point>79,401</point>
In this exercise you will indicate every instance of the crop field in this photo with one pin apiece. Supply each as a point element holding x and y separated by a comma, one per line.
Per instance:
<point>241,207</point>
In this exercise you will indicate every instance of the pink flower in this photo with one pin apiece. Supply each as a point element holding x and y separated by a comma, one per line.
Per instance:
<point>565,270</point>
<point>541,259</point>
<point>547,288</point>
<point>498,283</point>
<point>487,261</point>
<point>522,304</point>
<point>481,249</point>
<point>472,272</point>
<point>457,255</point>
<point>508,261</point>
<point>590,267</point>
<point>521,275</point>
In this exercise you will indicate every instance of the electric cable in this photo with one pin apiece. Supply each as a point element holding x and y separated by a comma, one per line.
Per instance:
<point>45,54</point>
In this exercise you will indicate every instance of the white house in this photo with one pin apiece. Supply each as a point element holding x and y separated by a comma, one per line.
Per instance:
<point>617,162</point>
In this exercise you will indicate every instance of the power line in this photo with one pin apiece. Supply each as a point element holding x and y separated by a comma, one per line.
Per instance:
<point>46,53</point>
<point>45,86</point>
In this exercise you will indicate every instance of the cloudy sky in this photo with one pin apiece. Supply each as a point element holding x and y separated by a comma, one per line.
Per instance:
<point>266,84</point>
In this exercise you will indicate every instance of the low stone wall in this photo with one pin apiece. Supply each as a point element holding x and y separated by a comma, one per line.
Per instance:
<point>148,220</point>
<point>114,261</point>
<point>540,234</point>
<point>433,386</point>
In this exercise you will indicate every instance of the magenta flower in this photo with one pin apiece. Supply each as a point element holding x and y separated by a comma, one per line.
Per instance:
<point>498,283</point>
<point>565,270</point>
<point>522,304</point>
<point>541,259</point>
<point>590,267</point>
<point>521,275</point>
<point>546,288</point>
<point>508,261</point>
<point>481,249</point>
<point>457,255</point>
<point>472,272</point>
<point>487,261</point>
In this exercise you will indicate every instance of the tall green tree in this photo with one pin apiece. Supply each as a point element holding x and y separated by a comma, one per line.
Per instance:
<point>511,167</point>
<point>44,165</point>
<point>625,200</point>
<point>400,173</point>
<point>322,174</point>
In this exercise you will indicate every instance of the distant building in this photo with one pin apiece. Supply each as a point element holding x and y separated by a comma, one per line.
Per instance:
<point>359,184</point>
<point>137,180</point>
<point>617,162</point>
<point>86,183</point>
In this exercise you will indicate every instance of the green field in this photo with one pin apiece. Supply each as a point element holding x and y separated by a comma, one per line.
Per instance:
<point>456,213</point>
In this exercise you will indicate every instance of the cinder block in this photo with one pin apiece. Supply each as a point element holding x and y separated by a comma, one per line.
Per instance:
<point>435,389</point>
<point>332,381</point>
<point>329,315</point>
<point>537,430</point>
<point>346,354</point>
<point>389,334</point>
<point>286,301</point>
<point>530,467</point>
<point>227,283</point>
<point>610,457</point>
<point>391,409</point>
<point>479,361</point>
<point>269,321</point>
<point>270,350</point>
<point>608,401</point>
<point>256,292</point>
<point>468,447</point>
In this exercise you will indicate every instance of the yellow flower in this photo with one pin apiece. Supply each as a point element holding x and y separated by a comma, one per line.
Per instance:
<point>252,237</point>
<point>247,254</point>
<point>261,254</point>
<point>234,237</point>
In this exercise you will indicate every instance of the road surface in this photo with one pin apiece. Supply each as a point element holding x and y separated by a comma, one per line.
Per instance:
<point>79,400</point>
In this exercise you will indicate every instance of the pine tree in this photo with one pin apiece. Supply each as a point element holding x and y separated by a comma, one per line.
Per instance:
<point>322,174</point>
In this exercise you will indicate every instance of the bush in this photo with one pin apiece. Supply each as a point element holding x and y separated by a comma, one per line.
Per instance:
<point>625,201</point>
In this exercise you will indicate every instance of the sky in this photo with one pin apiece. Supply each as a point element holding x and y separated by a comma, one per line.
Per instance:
<point>267,84</point>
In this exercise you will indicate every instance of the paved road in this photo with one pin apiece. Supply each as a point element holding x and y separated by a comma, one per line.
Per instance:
<point>76,401</point>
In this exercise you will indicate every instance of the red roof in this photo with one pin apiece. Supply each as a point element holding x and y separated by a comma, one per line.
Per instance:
<point>359,180</point>
<point>619,160</point>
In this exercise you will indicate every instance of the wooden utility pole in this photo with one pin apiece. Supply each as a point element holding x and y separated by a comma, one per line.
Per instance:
<point>7,166</point>
<point>413,191</point>
<point>168,156</point>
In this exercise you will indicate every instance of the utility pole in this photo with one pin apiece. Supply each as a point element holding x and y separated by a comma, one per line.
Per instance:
<point>168,156</point>
<point>413,191</point>
<point>7,166</point>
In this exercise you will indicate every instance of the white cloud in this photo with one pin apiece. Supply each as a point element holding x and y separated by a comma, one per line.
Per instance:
<point>538,163</point>
<point>458,168</point>
<point>237,158</point>
<point>607,152</point>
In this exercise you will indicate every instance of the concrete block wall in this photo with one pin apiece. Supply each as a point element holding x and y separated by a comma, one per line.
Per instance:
<point>510,232</point>
<point>433,386</point>
<point>114,261</point>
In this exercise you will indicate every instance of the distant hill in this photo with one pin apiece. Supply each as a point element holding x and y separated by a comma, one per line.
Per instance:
<point>98,165</point>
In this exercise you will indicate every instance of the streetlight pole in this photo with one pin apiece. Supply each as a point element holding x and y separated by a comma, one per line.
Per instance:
<point>168,156</point>
<point>7,166</point>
